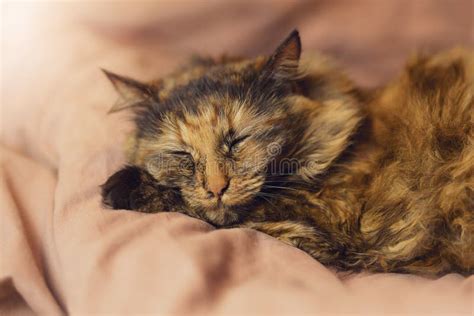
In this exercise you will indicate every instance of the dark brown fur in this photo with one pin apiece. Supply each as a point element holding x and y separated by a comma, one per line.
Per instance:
<point>382,183</point>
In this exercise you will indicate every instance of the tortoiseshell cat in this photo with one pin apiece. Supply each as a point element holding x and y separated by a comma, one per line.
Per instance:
<point>382,183</point>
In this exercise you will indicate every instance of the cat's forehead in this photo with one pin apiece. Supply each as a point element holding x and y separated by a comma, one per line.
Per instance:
<point>213,121</point>
<point>205,129</point>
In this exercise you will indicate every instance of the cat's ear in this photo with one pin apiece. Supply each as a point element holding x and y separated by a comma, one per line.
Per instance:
<point>284,62</point>
<point>131,92</point>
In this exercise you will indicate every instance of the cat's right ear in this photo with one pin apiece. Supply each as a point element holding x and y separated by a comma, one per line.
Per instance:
<point>132,92</point>
<point>283,63</point>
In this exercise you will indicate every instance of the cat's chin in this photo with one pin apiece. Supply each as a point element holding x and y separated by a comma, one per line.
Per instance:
<point>221,215</point>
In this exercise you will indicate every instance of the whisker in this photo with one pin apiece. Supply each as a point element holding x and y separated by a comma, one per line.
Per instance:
<point>267,200</point>
<point>287,184</point>
<point>278,187</point>
<point>283,179</point>
<point>267,194</point>
<point>287,180</point>
<point>275,196</point>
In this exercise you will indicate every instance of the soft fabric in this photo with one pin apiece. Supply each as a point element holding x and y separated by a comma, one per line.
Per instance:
<point>62,252</point>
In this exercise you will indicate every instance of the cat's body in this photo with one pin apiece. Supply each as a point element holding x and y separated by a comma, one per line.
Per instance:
<point>382,183</point>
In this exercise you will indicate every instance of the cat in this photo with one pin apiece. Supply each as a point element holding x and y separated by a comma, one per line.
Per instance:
<point>380,181</point>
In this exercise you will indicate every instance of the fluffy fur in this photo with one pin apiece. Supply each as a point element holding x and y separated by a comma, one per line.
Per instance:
<point>381,181</point>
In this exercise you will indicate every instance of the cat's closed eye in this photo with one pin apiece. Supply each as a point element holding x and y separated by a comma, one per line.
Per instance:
<point>181,153</point>
<point>232,143</point>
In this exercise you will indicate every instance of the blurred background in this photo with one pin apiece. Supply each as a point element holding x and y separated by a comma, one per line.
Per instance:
<point>370,38</point>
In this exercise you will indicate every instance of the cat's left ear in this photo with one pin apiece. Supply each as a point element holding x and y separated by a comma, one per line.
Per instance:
<point>284,62</point>
<point>132,92</point>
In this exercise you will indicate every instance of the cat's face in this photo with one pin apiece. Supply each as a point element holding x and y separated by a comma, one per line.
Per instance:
<point>225,134</point>
<point>218,156</point>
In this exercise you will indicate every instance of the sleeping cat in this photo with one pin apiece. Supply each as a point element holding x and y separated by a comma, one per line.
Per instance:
<point>379,182</point>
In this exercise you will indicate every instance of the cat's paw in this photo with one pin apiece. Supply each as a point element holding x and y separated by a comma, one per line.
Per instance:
<point>119,191</point>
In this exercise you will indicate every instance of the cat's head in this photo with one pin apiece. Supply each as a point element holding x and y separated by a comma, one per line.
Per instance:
<point>232,133</point>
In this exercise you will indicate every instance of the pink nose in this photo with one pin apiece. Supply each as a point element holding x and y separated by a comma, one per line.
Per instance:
<point>217,185</point>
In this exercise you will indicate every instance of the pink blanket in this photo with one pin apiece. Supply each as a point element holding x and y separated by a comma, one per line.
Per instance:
<point>61,252</point>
